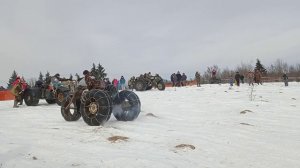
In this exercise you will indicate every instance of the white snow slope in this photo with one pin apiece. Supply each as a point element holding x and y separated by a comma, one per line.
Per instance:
<point>223,127</point>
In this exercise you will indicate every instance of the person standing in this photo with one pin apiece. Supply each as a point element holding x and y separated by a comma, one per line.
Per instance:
<point>178,75</point>
<point>231,82</point>
<point>237,78</point>
<point>197,78</point>
<point>173,79</point>
<point>257,77</point>
<point>24,87</point>
<point>17,91</point>
<point>242,77</point>
<point>183,79</point>
<point>250,77</point>
<point>285,79</point>
<point>115,83</point>
<point>122,83</point>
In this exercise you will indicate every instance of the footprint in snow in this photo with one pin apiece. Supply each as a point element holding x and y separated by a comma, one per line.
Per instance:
<point>185,147</point>
<point>246,111</point>
<point>151,115</point>
<point>246,124</point>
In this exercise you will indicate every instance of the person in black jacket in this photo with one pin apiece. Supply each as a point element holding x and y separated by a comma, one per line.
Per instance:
<point>174,79</point>
<point>242,77</point>
<point>285,79</point>
<point>237,78</point>
<point>178,75</point>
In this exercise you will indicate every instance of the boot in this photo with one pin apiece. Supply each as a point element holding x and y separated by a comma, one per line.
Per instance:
<point>15,104</point>
<point>21,102</point>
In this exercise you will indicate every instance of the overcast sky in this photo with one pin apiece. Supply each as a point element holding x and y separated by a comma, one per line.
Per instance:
<point>129,37</point>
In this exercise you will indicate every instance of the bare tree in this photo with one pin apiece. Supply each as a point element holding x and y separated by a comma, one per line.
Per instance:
<point>244,68</point>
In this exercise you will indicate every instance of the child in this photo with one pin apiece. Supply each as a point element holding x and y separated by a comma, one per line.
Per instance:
<point>231,82</point>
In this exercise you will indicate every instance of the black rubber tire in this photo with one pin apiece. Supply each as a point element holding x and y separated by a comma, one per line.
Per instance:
<point>140,85</point>
<point>66,111</point>
<point>60,96</point>
<point>30,99</point>
<point>96,107</point>
<point>149,87</point>
<point>127,106</point>
<point>50,101</point>
<point>161,86</point>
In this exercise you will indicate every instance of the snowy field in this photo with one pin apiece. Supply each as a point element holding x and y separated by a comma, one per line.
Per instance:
<point>207,127</point>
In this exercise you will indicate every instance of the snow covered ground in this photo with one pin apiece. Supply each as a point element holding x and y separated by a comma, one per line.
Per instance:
<point>207,127</point>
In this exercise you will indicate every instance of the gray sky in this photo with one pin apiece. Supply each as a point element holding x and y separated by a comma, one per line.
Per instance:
<point>129,37</point>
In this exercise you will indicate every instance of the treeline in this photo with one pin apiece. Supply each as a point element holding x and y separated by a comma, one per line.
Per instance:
<point>275,70</point>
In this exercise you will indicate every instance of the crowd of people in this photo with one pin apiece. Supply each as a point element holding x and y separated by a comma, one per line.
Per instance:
<point>252,77</point>
<point>177,79</point>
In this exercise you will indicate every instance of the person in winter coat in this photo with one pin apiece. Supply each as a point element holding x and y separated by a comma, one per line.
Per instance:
<point>231,82</point>
<point>122,83</point>
<point>91,82</point>
<point>173,79</point>
<point>115,83</point>
<point>237,78</point>
<point>257,77</point>
<point>183,79</point>
<point>17,91</point>
<point>242,77</point>
<point>197,78</point>
<point>285,79</point>
<point>24,87</point>
<point>179,78</point>
<point>250,77</point>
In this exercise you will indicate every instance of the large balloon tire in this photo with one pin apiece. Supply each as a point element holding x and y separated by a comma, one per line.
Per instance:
<point>30,99</point>
<point>60,97</point>
<point>140,85</point>
<point>66,109</point>
<point>127,106</point>
<point>96,107</point>
<point>161,86</point>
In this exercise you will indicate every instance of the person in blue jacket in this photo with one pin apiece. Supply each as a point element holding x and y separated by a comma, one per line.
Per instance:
<point>122,82</point>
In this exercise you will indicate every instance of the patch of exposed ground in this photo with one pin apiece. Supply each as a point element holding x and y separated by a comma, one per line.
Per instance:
<point>115,139</point>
